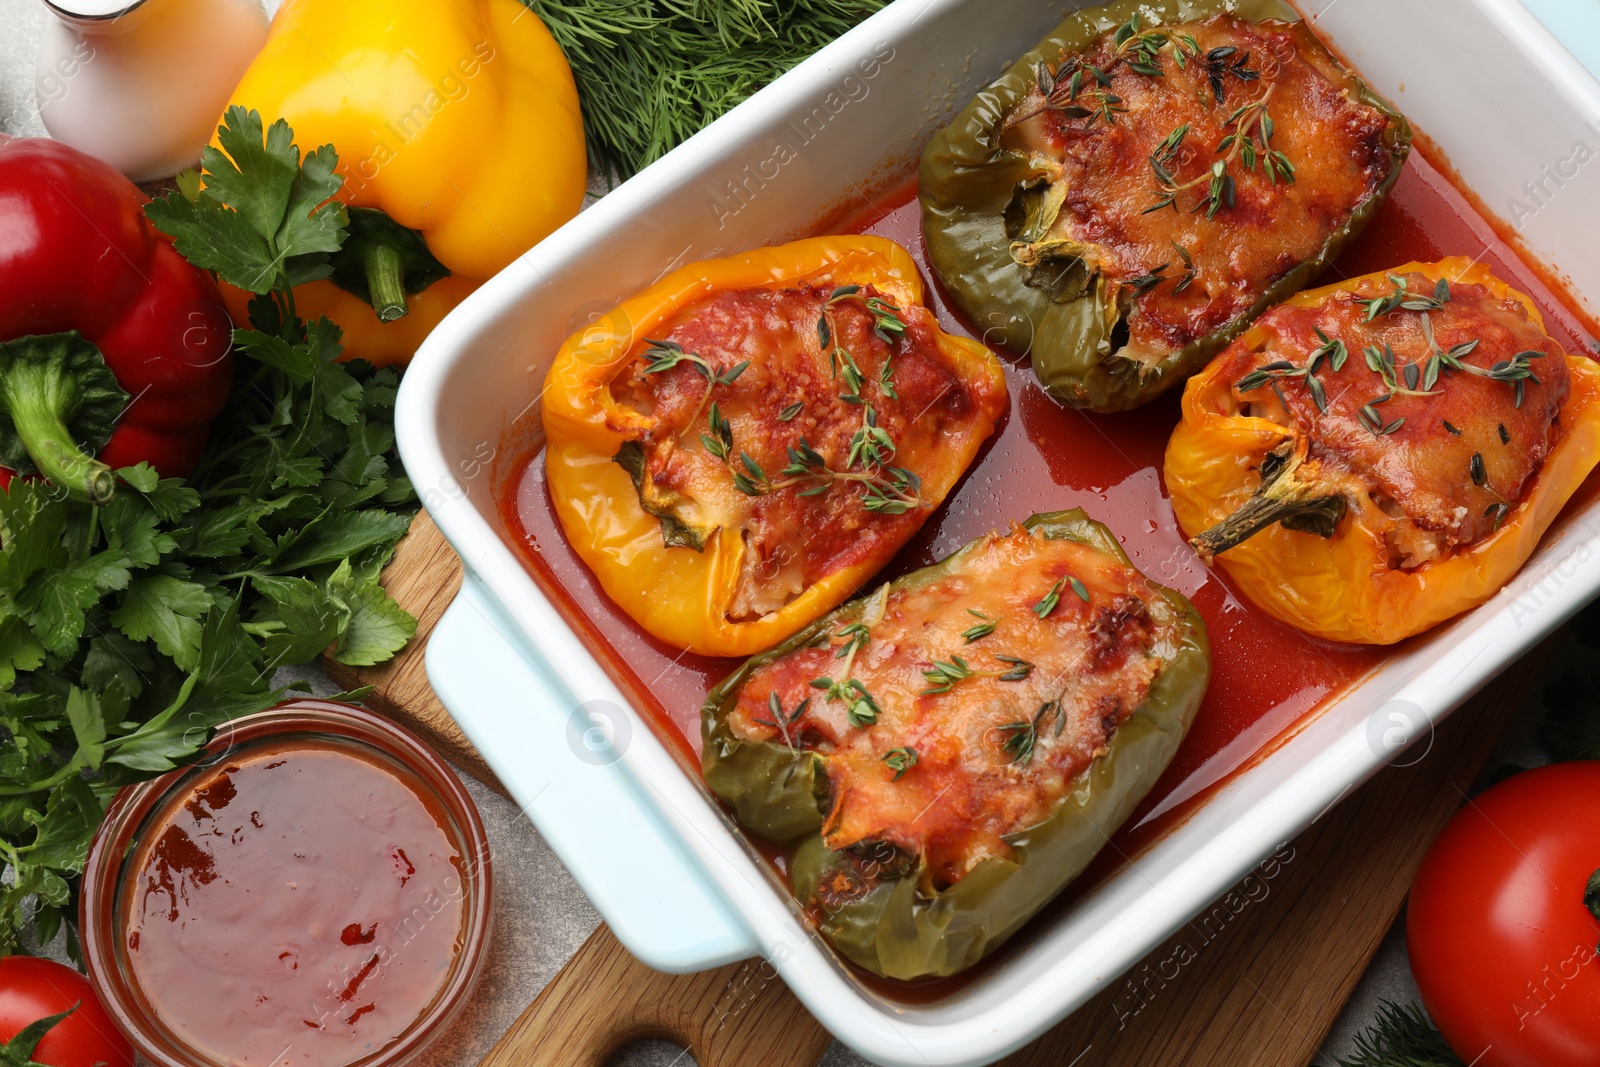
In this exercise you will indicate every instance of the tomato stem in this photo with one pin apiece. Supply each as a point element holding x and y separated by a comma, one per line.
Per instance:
<point>1591,894</point>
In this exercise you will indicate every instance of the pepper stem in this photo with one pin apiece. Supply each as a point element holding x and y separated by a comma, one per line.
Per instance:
<point>1285,496</point>
<point>54,390</point>
<point>382,262</point>
<point>385,281</point>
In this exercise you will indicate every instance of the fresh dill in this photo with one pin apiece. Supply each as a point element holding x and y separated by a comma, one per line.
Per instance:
<point>651,73</point>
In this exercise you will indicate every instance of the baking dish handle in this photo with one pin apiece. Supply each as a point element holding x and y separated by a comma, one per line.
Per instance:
<point>562,769</point>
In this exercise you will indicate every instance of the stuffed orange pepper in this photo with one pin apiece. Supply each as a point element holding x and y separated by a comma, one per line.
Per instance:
<point>1374,457</point>
<point>761,436</point>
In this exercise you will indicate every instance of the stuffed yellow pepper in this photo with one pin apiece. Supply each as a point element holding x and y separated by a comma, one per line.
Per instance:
<point>1373,457</point>
<point>762,436</point>
<point>460,143</point>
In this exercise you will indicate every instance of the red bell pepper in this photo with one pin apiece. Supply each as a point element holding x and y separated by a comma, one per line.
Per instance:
<point>113,349</point>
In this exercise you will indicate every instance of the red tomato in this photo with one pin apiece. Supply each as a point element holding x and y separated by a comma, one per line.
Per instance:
<point>32,989</point>
<point>1501,943</point>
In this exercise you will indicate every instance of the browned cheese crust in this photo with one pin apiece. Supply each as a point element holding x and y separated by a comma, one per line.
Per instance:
<point>1449,452</point>
<point>906,409</point>
<point>1191,193</point>
<point>1051,648</point>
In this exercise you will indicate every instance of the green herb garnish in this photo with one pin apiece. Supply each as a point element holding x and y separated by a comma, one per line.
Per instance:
<point>129,631</point>
<point>1402,1037</point>
<point>651,73</point>
<point>984,628</point>
<point>900,760</point>
<point>781,720</point>
<point>1021,738</point>
<point>944,674</point>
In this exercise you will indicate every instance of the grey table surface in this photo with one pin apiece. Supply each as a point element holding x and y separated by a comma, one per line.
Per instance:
<point>541,916</point>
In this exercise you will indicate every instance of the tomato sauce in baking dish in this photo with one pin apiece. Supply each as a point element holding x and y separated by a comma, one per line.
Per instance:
<point>1268,678</point>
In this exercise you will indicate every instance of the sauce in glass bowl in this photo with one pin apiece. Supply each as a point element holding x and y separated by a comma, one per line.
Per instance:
<point>312,894</point>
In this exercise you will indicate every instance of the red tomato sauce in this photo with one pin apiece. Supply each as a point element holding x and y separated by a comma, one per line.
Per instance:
<point>302,905</point>
<point>1268,679</point>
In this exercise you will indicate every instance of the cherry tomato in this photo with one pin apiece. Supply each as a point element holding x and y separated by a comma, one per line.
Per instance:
<point>32,989</point>
<point>1502,945</point>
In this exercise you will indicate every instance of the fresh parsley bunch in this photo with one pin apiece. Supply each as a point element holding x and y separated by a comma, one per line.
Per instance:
<point>129,631</point>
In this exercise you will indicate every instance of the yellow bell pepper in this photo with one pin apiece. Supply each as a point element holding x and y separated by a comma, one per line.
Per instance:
<point>455,119</point>
<point>683,594</point>
<point>1337,569</point>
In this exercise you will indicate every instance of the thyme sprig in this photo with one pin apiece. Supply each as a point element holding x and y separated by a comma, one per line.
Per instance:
<point>1402,379</point>
<point>856,636</point>
<point>781,720</point>
<point>871,445</point>
<point>900,760</point>
<point>1049,602</point>
<point>1516,371</point>
<point>1275,373</point>
<point>1149,280</point>
<point>1220,63</point>
<point>1402,298</point>
<point>944,674</point>
<point>1063,87</point>
<point>1142,51</point>
<point>1187,277</point>
<point>662,356</point>
<point>986,626</point>
<point>1022,738</point>
<point>1249,143</point>
<point>1372,420</point>
<point>1252,139</point>
<point>860,707</point>
<point>886,320</point>
<point>887,491</point>
<point>1480,478</point>
<point>719,442</point>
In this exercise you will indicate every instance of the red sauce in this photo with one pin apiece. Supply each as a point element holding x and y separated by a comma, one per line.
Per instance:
<point>1268,678</point>
<point>301,905</point>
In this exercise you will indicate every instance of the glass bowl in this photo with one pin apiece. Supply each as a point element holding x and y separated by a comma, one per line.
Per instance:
<point>139,810</point>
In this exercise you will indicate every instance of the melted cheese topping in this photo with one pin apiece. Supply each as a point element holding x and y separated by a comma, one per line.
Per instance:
<point>1101,174</point>
<point>974,780</point>
<point>792,390</point>
<point>1455,457</point>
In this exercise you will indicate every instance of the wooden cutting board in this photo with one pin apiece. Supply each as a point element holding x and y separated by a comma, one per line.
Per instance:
<point>1257,984</point>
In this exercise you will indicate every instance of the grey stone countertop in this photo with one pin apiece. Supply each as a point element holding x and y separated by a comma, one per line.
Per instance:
<point>541,916</point>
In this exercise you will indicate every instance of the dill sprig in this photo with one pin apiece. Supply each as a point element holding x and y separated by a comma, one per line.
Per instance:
<point>1402,1037</point>
<point>651,73</point>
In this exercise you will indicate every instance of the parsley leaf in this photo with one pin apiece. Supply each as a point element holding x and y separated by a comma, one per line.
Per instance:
<point>128,633</point>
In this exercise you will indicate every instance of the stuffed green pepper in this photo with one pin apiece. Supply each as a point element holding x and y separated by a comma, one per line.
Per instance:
<point>1144,183</point>
<point>945,754</point>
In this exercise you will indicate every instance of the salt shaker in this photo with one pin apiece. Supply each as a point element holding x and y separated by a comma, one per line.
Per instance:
<point>142,83</point>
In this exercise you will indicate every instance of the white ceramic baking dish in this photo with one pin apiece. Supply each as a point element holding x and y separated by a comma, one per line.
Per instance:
<point>678,885</point>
